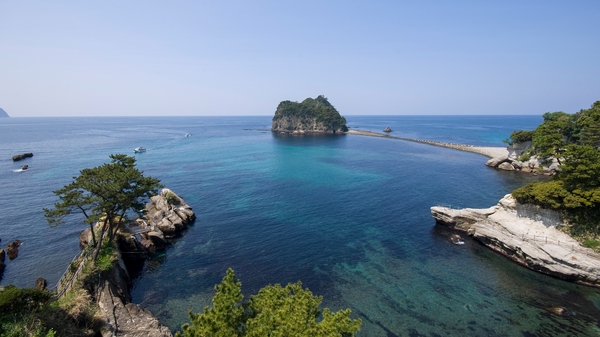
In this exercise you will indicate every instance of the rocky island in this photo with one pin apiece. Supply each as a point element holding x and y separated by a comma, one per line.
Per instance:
<point>313,115</point>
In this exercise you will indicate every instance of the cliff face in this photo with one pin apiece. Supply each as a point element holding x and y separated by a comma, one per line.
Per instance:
<point>526,234</point>
<point>312,115</point>
<point>120,317</point>
<point>3,113</point>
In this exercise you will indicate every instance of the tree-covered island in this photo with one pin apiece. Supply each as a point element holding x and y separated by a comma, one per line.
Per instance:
<point>313,115</point>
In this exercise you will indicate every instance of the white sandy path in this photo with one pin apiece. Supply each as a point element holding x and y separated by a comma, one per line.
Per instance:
<point>492,152</point>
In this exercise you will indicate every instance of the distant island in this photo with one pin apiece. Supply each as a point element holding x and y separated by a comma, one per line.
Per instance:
<point>313,115</point>
<point>3,113</point>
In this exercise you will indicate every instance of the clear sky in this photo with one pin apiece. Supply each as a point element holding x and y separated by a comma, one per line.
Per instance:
<point>207,58</point>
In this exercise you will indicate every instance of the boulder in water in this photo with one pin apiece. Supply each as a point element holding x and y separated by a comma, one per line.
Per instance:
<point>12,249</point>
<point>41,283</point>
<point>22,156</point>
<point>387,129</point>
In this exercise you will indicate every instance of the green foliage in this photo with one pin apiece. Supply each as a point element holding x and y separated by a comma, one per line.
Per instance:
<point>274,311</point>
<point>34,328</point>
<point>575,191</point>
<point>594,244</point>
<point>318,108</point>
<point>293,311</point>
<point>226,315</point>
<point>32,312</point>
<point>172,198</point>
<point>106,257</point>
<point>18,300</point>
<point>519,137</point>
<point>104,193</point>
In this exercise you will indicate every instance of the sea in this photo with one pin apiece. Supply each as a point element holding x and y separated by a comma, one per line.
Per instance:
<point>347,215</point>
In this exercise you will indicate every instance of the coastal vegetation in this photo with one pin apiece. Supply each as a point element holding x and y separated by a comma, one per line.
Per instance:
<point>574,141</point>
<point>105,195</point>
<point>310,113</point>
<point>275,311</point>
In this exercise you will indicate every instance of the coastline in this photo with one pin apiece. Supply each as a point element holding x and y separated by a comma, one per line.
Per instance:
<point>527,235</point>
<point>488,151</point>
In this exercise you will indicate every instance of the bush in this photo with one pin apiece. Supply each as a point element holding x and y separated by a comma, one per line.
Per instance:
<point>589,243</point>
<point>519,137</point>
<point>106,257</point>
<point>16,300</point>
<point>172,198</point>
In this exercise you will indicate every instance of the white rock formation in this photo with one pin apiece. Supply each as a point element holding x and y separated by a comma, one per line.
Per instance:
<point>528,235</point>
<point>510,162</point>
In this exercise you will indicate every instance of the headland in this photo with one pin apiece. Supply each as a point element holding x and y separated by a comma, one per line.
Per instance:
<point>527,234</point>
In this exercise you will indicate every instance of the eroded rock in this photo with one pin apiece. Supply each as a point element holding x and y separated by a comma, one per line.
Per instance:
<point>527,235</point>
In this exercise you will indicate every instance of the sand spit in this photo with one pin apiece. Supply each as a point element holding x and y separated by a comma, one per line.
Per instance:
<point>491,152</point>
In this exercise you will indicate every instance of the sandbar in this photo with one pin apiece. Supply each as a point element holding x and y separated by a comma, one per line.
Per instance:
<point>488,151</point>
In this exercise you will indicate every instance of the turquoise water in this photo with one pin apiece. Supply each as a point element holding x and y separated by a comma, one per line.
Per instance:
<point>347,215</point>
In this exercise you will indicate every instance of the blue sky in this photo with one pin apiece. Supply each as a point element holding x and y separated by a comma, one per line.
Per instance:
<point>175,58</point>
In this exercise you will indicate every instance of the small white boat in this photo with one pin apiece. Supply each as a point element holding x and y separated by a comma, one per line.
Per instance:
<point>139,149</point>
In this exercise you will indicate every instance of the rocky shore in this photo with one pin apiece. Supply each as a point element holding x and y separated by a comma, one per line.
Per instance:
<point>167,215</point>
<point>514,160</point>
<point>528,235</point>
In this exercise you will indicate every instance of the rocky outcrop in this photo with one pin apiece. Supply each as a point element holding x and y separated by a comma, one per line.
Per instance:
<point>528,235</point>
<point>41,283</point>
<point>514,161</point>
<point>12,249</point>
<point>2,265</point>
<point>119,316</point>
<point>166,215</point>
<point>22,156</point>
<point>388,129</point>
<point>310,116</point>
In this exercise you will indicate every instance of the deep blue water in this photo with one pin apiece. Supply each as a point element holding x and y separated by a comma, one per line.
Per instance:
<point>347,215</point>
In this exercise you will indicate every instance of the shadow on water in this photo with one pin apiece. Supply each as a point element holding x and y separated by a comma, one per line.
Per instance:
<point>308,139</point>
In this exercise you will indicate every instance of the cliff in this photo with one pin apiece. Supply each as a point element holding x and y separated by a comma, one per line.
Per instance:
<point>3,113</point>
<point>528,235</point>
<point>121,317</point>
<point>311,116</point>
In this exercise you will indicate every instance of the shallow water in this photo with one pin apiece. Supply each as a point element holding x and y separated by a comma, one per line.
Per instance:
<point>347,215</point>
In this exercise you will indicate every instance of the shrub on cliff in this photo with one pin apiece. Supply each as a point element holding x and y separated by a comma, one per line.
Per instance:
<point>274,311</point>
<point>35,313</point>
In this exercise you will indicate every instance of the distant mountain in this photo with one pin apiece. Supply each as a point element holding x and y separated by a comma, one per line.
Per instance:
<point>3,113</point>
